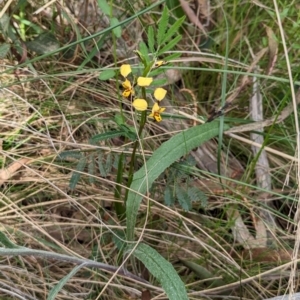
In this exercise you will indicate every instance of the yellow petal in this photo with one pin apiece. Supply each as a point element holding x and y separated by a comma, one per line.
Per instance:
<point>125,70</point>
<point>160,94</point>
<point>155,108</point>
<point>127,93</point>
<point>126,84</point>
<point>144,81</point>
<point>140,104</point>
<point>161,109</point>
<point>157,117</point>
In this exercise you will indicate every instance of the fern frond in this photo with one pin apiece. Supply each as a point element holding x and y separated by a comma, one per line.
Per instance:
<point>195,194</point>
<point>65,155</point>
<point>182,197</point>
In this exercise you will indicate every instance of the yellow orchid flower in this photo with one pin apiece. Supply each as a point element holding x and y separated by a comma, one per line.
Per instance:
<point>128,90</point>
<point>160,63</point>
<point>159,94</point>
<point>156,111</point>
<point>140,104</point>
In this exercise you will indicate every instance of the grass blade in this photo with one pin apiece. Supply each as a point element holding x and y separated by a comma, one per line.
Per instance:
<point>53,293</point>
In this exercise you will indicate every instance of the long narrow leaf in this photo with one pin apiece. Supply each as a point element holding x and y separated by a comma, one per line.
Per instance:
<point>174,29</point>
<point>170,45</point>
<point>163,271</point>
<point>151,39</point>
<point>179,145</point>
<point>162,26</point>
<point>172,56</point>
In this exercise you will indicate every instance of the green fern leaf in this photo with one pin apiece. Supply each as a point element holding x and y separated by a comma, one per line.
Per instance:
<point>70,154</point>
<point>197,195</point>
<point>183,197</point>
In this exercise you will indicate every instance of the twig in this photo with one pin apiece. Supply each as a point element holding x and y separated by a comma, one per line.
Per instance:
<point>22,251</point>
<point>274,120</point>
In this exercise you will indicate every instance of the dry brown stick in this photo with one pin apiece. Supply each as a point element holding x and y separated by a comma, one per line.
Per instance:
<point>273,120</point>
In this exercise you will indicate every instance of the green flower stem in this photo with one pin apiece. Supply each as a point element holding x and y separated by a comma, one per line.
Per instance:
<point>133,155</point>
<point>135,146</point>
<point>119,206</point>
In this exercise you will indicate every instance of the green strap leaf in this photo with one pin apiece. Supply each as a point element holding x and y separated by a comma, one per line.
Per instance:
<point>163,271</point>
<point>162,26</point>
<point>170,151</point>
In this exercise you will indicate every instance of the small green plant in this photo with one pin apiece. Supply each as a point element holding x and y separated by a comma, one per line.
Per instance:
<point>181,144</point>
<point>138,83</point>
